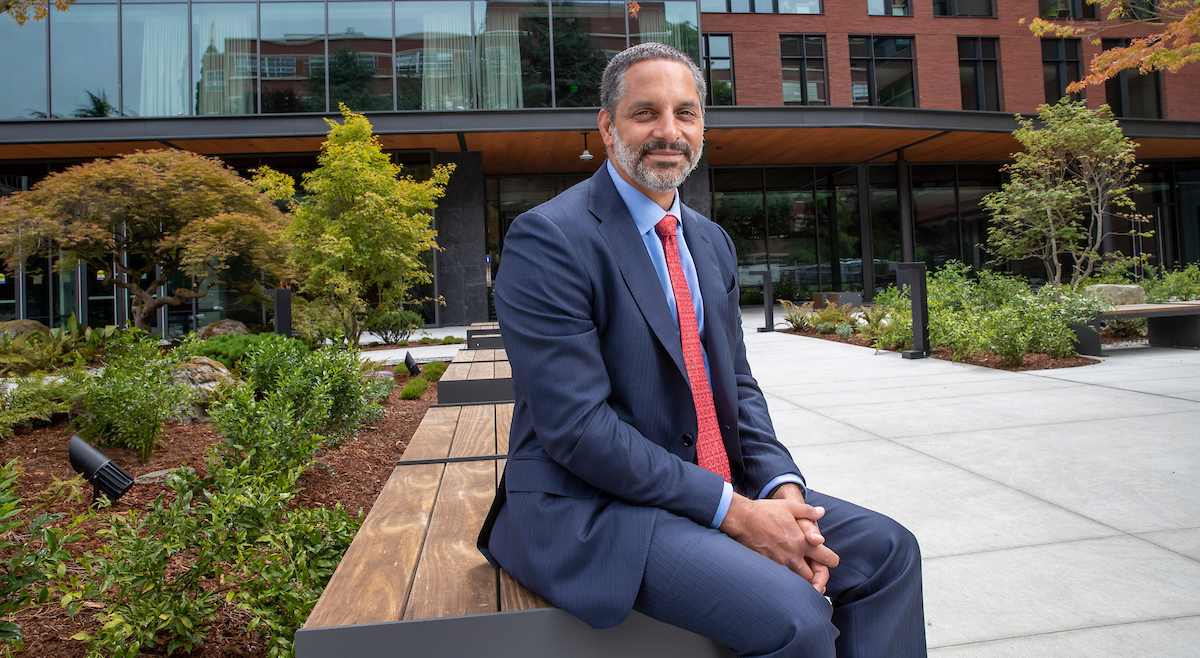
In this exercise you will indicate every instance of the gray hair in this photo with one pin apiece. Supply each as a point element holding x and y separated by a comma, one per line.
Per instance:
<point>612,84</point>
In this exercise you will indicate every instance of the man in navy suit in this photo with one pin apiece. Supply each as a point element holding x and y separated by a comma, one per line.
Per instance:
<point>605,506</point>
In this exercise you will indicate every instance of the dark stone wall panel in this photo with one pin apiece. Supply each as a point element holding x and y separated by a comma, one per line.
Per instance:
<point>461,266</point>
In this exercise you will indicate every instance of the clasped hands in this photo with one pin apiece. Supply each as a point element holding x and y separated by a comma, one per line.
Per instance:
<point>784,529</point>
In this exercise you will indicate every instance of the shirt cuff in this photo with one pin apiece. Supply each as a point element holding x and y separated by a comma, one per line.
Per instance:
<point>781,480</point>
<point>723,508</point>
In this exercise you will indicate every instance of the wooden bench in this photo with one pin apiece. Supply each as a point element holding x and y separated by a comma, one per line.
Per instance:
<point>1172,324</point>
<point>484,336</point>
<point>413,582</point>
<point>476,376</point>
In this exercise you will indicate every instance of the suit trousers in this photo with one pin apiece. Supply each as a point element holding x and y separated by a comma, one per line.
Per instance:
<point>702,580</point>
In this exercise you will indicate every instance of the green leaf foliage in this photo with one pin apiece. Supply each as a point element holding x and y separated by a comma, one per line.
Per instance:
<point>415,388</point>
<point>127,403</point>
<point>228,348</point>
<point>38,397</point>
<point>434,370</point>
<point>362,228</point>
<point>396,326</point>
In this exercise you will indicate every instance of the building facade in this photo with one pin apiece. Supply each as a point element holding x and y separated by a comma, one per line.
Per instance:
<point>841,137</point>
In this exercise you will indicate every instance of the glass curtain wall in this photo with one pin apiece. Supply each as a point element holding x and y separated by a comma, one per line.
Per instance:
<point>154,62</point>
<point>83,62</point>
<point>513,41</point>
<point>884,206</point>
<point>801,223</point>
<point>949,221</point>
<point>360,58</point>
<point>433,55</point>
<point>292,61</point>
<point>673,23</point>
<point>24,93</point>
<point>225,57</point>
<point>586,36</point>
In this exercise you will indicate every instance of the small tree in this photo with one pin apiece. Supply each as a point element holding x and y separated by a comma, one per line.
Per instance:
<point>362,228</point>
<point>1075,175</point>
<point>22,10</point>
<point>139,218</point>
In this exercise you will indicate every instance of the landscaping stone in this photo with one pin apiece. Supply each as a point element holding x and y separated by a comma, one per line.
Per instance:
<point>14,328</point>
<point>1117,294</point>
<point>221,328</point>
<point>203,375</point>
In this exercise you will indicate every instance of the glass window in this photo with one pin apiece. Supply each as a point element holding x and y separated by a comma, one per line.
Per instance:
<point>673,23</point>
<point>718,68</point>
<point>761,6</point>
<point>888,8</point>
<point>964,8</point>
<point>83,62</point>
<point>292,57</point>
<point>935,215</point>
<point>223,56</point>
<point>514,54</point>
<point>1063,9</point>
<point>433,55</point>
<point>154,59</point>
<point>885,223</point>
<point>586,36</point>
<point>799,6</point>
<point>881,71</point>
<point>979,77</point>
<point>1131,93</point>
<point>360,57</point>
<point>23,93</point>
<point>803,60</point>
<point>1060,67</point>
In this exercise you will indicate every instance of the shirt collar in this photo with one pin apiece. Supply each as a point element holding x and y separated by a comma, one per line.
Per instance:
<point>646,213</point>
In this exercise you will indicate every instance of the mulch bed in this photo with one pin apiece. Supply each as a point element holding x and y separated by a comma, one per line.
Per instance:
<point>352,475</point>
<point>985,359</point>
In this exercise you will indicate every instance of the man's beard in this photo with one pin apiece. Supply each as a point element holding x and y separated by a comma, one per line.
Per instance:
<point>662,178</point>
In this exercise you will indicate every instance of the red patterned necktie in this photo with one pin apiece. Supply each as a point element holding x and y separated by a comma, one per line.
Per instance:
<point>709,448</point>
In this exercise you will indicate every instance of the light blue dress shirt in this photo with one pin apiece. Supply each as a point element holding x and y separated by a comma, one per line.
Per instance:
<point>646,215</point>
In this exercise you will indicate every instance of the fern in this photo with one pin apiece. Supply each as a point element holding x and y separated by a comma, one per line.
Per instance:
<point>38,397</point>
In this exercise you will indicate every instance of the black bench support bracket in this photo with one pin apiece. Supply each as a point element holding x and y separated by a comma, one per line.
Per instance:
<point>540,633</point>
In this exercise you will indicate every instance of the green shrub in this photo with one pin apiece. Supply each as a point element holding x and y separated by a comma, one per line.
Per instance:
<point>271,359</point>
<point>844,330</point>
<point>127,403</point>
<point>415,388</point>
<point>794,292</point>
<point>71,344</point>
<point>889,322</point>
<point>38,397</point>
<point>797,316</point>
<point>453,340</point>
<point>31,553</point>
<point>316,322</point>
<point>751,296</point>
<point>1173,286</point>
<point>228,349</point>
<point>434,370</point>
<point>396,326</point>
<point>832,314</point>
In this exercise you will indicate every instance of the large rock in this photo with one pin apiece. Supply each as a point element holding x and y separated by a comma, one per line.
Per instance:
<point>221,328</point>
<point>1117,294</point>
<point>203,375</point>
<point>14,328</point>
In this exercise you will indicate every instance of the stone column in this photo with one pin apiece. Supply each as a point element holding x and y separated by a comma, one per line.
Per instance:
<point>461,226</point>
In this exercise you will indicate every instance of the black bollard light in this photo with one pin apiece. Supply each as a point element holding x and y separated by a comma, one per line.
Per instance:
<point>411,364</point>
<point>104,474</point>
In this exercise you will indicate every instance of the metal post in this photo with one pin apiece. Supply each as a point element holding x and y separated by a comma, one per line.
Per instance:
<point>283,310</point>
<point>912,275</point>
<point>768,299</point>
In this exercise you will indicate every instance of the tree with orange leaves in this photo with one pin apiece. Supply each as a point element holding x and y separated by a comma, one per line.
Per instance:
<point>22,10</point>
<point>1169,50</point>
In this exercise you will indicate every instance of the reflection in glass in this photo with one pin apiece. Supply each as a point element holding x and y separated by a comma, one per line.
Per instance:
<point>586,36</point>
<point>360,55</point>
<point>885,224</point>
<point>292,61</point>
<point>155,60</point>
<point>672,23</point>
<point>975,182</point>
<point>433,56</point>
<point>83,62</point>
<point>224,57</point>
<point>37,289</point>
<point>514,54</point>
<point>101,307</point>
<point>23,93</point>
<point>935,215</point>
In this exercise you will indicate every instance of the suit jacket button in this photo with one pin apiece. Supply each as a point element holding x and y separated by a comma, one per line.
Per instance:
<point>688,440</point>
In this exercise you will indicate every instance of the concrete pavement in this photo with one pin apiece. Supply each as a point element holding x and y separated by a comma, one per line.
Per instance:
<point>1058,511</point>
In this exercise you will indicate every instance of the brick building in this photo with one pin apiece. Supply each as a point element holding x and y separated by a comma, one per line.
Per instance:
<point>842,136</point>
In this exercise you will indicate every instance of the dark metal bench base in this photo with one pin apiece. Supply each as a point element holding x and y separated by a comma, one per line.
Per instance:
<point>492,341</point>
<point>541,633</point>
<point>471,391</point>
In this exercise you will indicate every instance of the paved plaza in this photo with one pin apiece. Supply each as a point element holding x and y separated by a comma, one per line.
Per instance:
<point>1058,511</point>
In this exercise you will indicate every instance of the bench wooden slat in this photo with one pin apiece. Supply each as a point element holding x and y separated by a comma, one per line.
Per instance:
<point>434,435</point>
<point>464,356</point>
<point>373,578</point>
<point>515,596</point>
<point>476,431</point>
<point>483,370</point>
<point>503,370</point>
<point>456,372</point>
<point>504,412</point>
<point>452,577</point>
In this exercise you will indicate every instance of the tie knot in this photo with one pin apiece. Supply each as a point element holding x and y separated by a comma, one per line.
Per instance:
<point>666,228</point>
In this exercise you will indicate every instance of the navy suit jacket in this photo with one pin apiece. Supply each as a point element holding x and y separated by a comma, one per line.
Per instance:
<point>603,423</point>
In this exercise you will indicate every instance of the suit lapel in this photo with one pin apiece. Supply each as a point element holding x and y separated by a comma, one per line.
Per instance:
<point>625,243</point>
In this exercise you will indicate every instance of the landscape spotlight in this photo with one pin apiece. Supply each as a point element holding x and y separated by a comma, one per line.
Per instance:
<point>104,474</point>
<point>411,364</point>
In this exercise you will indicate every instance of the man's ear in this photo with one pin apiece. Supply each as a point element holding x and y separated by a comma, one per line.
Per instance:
<point>604,122</point>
